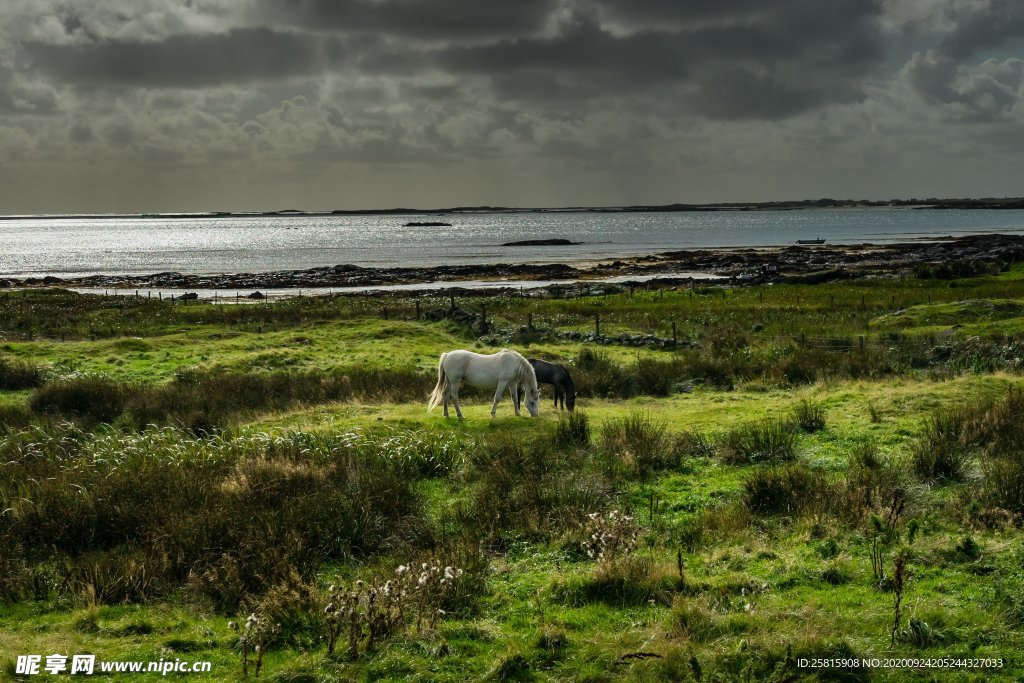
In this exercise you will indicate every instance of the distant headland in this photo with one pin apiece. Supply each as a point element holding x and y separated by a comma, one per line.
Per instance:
<point>825,203</point>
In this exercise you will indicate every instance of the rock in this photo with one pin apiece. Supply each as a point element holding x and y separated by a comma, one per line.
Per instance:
<point>541,243</point>
<point>257,295</point>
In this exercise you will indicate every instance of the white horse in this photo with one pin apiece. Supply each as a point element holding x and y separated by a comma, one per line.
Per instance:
<point>505,369</point>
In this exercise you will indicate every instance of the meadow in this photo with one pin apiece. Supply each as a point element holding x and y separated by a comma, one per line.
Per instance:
<point>754,476</point>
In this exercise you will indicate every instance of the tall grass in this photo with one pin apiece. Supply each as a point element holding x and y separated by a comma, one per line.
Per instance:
<point>765,441</point>
<point>203,400</point>
<point>230,516</point>
<point>17,374</point>
<point>639,443</point>
<point>954,437</point>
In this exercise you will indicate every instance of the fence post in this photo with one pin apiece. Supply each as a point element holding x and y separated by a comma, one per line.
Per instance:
<point>861,338</point>
<point>385,312</point>
<point>529,321</point>
<point>674,339</point>
<point>597,324</point>
<point>417,309</point>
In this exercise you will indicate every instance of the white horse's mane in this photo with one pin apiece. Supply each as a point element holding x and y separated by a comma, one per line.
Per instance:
<point>524,371</point>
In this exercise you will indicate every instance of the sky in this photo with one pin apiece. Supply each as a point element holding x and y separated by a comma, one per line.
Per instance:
<point>248,105</point>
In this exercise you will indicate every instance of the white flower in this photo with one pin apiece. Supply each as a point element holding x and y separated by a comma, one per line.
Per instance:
<point>401,569</point>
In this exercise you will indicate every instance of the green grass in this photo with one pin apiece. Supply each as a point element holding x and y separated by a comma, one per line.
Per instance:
<point>756,591</point>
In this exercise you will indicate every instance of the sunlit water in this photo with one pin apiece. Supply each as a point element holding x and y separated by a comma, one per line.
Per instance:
<point>84,246</point>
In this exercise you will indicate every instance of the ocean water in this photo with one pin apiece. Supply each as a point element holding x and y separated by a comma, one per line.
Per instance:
<point>84,246</point>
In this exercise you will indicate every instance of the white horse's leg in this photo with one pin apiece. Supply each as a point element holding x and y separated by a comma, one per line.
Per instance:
<point>497,396</point>
<point>455,400</point>
<point>514,390</point>
<point>444,399</point>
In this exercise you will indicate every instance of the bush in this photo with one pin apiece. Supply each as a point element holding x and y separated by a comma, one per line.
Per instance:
<point>596,374</point>
<point>94,398</point>
<point>640,443</point>
<point>246,512</point>
<point>953,437</point>
<point>788,489</point>
<point>573,430</point>
<point>14,416</point>
<point>810,417</point>
<point>766,441</point>
<point>694,444</point>
<point>1003,482</point>
<point>528,487</point>
<point>17,374</point>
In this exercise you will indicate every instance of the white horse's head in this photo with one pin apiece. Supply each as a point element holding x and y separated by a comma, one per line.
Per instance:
<point>533,400</point>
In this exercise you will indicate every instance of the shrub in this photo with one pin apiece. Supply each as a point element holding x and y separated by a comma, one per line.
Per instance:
<point>247,512</point>
<point>17,374</point>
<point>766,441</point>
<point>573,429</point>
<point>953,437</point>
<point>639,442</point>
<point>694,444</point>
<point>810,417</point>
<point>14,416</point>
<point>596,374</point>
<point>870,486</point>
<point>1003,482</point>
<point>529,487</point>
<point>94,398</point>
<point>786,489</point>
<point>691,619</point>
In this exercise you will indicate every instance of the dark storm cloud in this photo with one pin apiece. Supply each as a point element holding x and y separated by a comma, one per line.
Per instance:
<point>185,61</point>
<point>769,68</point>
<point>972,93</point>
<point>743,94</point>
<point>435,19</point>
<point>979,27</point>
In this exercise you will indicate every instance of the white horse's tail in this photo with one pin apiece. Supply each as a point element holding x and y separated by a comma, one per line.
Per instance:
<point>442,385</point>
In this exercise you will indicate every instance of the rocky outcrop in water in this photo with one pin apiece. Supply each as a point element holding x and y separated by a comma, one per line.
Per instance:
<point>742,266</point>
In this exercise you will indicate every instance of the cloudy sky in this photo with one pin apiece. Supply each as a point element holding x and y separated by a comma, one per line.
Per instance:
<point>174,105</point>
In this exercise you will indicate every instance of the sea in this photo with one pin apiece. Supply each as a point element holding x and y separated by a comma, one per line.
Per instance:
<point>106,245</point>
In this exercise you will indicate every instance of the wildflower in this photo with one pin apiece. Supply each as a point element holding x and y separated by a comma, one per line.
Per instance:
<point>401,569</point>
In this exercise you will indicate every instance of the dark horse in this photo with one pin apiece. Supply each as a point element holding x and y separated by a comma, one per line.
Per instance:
<point>559,378</point>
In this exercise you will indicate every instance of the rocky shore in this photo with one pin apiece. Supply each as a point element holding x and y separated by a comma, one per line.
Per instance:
<point>819,263</point>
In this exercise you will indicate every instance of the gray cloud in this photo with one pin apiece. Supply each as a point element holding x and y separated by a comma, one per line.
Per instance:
<point>639,100</point>
<point>183,61</point>
<point>436,19</point>
<point>982,26</point>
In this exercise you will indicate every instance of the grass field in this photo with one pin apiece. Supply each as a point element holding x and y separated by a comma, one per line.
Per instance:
<point>824,472</point>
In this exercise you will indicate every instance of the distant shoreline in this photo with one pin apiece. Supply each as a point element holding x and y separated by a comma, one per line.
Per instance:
<point>914,204</point>
<point>740,265</point>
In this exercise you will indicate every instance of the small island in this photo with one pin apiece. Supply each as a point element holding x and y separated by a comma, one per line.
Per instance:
<point>427,224</point>
<point>541,243</point>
